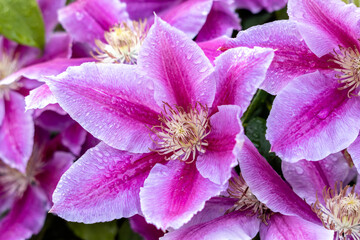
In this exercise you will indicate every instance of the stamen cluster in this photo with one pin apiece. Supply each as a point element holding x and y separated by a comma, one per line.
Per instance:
<point>341,212</point>
<point>123,43</point>
<point>349,61</point>
<point>239,189</point>
<point>8,65</point>
<point>182,133</point>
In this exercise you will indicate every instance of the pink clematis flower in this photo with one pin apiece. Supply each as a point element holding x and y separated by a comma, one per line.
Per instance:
<point>316,76</point>
<point>25,197</point>
<point>170,129</point>
<point>256,6</point>
<point>323,184</point>
<point>262,202</point>
<point>16,125</point>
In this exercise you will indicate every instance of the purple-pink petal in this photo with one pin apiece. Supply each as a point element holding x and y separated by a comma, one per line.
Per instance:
<point>238,73</point>
<point>311,119</point>
<point>226,135</point>
<point>173,193</point>
<point>177,66</point>
<point>269,188</point>
<point>235,226</point>
<point>256,6</point>
<point>26,216</point>
<point>52,171</point>
<point>221,20</point>
<point>308,179</point>
<point>292,57</point>
<point>211,47</point>
<point>188,16</point>
<point>354,151</point>
<point>111,102</point>
<point>49,10</point>
<point>283,227</point>
<point>16,133</point>
<point>86,20</point>
<point>326,24</point>
<point>103,185</point>
<point>146,230</point>
<point>73,138</point>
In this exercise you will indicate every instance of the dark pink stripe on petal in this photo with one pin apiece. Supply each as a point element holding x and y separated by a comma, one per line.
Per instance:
<point>311,119</point>
<point>177,66</point>
<point>111,101</point>
<point>103,185</point>
<point>173,193</point>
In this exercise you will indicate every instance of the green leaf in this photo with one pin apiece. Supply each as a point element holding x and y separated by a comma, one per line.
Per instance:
<point>22,22</point>
<point>96,231</point>
<point>126,233</point>
<point>356,2</point>
<point>255,130</point>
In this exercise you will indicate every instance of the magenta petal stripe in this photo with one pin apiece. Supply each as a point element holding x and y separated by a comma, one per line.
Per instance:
<point>177,66</point>
<point>111,102</point>
<point>103,185</point>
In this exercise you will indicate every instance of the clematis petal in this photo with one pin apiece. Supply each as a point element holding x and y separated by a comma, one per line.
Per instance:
<point>225,137</point>
<point>52,171</point>
<point>221,12</point>
<point>177,66</point>
<point>58,46</point>
<point>2,109</point>
<point>87,20</point>
<point>326,24</point>
<point>211,47</point>
<point>235,226</point>
<point>188,16</point>
<point>73,138</point>
<point>173,193</point>
<point>26,217</point>
<point>16,133</point>
<point>310,178</point>
<point>269,188</point>
<point>49,10</point>
<point>147,231</point>
<point>111,102</point>
<point>311,119</point>
<point>256,6</point>
<point>354,151</point>
<point>107,183</point>
<point>292,57</point>
<point>139,9</point>
<point>238,73</point>
<point>288,227</point>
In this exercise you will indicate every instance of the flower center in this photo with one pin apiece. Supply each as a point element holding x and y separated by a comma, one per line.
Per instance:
<point>182,133</point>
<point>341,212</point>
<point>123,43</point>
<point>349,72</point>
<point>8,65</point>
<point>14,183</point>
<point>239,189</point>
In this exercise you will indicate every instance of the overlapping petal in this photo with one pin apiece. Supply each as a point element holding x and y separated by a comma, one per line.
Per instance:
<point>308,179</point>
<point>107,183</point>
<point>283,227</point>
<point>326,24</point>
<point>26,216</point>
<point>311,119</point>
<point>211,47</point>
<point>354,151</point>
<point>110,101</point>
<point>87,20</point>
<point>292,57</point>
<point>256,6</point>
<point>16,133</point>
<point>269,188</point>
<point>226,135</point>
<point>236,226</point>
<point>178,67</point>
<point>238,73</point>
<point>173,193</point>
